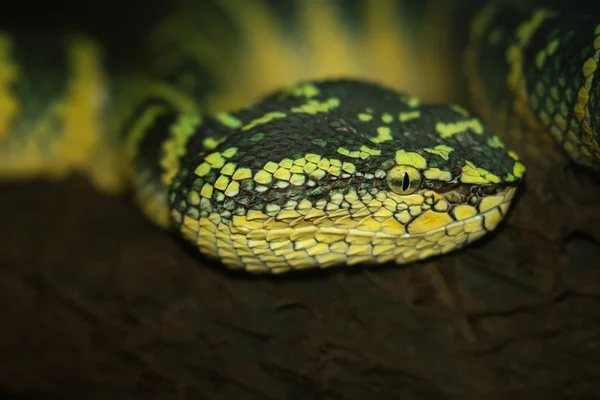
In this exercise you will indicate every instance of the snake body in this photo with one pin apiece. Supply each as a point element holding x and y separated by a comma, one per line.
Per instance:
<point>338,169</point>
<point>533,75</point>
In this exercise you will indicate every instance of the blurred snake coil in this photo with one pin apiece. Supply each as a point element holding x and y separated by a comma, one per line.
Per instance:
<point>280,136</point>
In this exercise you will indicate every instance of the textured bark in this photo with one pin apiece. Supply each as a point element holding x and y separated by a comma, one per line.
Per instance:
<point>96,301</point>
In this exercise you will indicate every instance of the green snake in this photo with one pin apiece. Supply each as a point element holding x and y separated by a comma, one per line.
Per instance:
<point>334,164</point>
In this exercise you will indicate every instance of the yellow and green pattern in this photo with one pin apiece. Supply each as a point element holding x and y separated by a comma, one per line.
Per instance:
<point>546,63</point>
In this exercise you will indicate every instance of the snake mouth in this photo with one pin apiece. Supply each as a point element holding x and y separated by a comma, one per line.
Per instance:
<point>373,230</point>
<point>468,225</point>
<point>429,238</point>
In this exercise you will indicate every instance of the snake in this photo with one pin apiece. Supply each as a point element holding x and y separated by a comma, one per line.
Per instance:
<point>284,136</point>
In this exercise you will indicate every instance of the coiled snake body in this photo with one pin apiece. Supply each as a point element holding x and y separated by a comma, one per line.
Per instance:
<point>324,172</point>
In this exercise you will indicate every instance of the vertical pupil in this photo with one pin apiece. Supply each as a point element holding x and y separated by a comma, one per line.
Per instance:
<point>405,181</point>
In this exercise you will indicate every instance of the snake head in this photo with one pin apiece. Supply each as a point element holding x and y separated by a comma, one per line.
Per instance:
<point>341,172</point>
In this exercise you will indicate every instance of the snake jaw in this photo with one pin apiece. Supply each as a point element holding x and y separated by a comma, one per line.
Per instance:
<point>462,232</point>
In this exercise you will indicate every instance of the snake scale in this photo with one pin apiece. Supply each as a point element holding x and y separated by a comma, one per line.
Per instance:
<point>334,164</point>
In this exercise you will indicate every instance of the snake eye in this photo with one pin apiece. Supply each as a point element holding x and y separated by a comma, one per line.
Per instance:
<point>404,179</point>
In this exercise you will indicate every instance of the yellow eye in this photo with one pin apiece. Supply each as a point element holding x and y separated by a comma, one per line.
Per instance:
<point>404,179</point>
